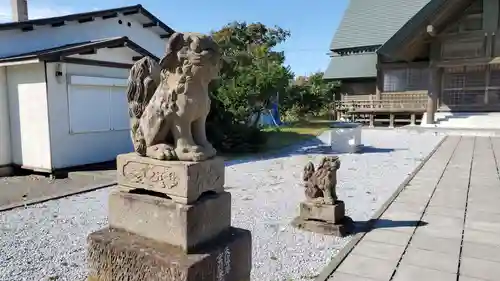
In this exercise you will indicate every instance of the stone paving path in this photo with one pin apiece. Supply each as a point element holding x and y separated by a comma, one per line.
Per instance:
<point>445,224</point>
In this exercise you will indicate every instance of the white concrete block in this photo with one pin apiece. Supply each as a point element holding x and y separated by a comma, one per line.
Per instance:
<point>346,138</point>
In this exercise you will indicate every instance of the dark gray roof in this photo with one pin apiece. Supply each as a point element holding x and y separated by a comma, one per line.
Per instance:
<point>373,22</point>
<point>353,66</point>
<point>148,20</point>
<point>78,48</point>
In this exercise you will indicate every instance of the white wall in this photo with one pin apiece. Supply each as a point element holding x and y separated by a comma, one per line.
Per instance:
<point>43,37</point>
<point>121,55</point>
<point>30,140</point>
<point>5,149</point>
<point>73,149</point>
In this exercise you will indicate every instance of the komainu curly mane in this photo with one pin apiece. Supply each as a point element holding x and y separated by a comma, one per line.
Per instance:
<point>320,184</point>
<point>143,80</point>
<point>169,101</point>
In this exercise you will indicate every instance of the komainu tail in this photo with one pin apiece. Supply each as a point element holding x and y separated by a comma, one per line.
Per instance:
<point>143,80</point>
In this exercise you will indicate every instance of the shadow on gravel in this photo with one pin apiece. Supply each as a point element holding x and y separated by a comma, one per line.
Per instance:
<point>312,146</point>
<point>372,149</point>
<point>295,149</point>
<point>367,226</point>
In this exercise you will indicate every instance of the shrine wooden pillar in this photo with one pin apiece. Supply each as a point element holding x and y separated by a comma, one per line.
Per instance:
<point>433,94</point>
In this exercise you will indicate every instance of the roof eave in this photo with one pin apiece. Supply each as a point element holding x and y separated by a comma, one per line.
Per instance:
<point>18,62</point>
<point>91,16</point>
<point>413,30</point>
<point>56,55</point>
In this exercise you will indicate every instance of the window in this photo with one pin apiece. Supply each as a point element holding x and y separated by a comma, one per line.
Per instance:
<point>97,108</point>
<point>464,85</point>
<point>405,79</point>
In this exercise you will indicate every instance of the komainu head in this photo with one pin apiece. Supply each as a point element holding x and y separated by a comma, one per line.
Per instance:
<point>330,163</point>
<point>194,55</point>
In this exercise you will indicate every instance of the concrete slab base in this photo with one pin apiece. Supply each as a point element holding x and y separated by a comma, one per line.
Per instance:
<point>464,120</point>
<point>116,255</point>
<point>341,229</point>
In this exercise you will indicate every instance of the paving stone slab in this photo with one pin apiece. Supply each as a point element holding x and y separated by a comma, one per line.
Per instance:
<point>409,197</point>
<point>484,207</point>
<point>441,245</point>
<point>465,278</point>
<point>483,226</point>
<point>443,221</point>
<point>481,251</point>
<point>379,250</point>
<point>376,269</point>
<point>431,259</point>
<point>408,272</point>
<point>493,194</point>
<point>440,231</point>
<point>396,207</point>
<point>482,269</point>
<point>388,236</point>
<point>446,212</point>
<point>338,276</point>
<point>483,237</point>
<point>483,216</point>
<point>449,202</point>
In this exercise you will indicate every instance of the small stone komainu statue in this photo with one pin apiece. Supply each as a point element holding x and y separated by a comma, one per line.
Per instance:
<point>320,184</point>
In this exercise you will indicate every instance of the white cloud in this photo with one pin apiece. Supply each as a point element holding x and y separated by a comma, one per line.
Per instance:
<point>35,12</point>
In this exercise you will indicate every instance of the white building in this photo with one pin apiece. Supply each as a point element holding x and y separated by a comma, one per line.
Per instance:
<point>63,82</point>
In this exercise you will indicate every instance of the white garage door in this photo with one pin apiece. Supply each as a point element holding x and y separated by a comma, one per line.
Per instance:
<point>97,108</point>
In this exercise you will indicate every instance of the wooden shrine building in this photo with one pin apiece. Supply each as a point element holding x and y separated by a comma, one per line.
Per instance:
<point>420,55</point>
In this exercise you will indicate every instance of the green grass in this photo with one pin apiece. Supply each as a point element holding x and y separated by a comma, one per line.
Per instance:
<point>292,134</point>
<point>278,138</point>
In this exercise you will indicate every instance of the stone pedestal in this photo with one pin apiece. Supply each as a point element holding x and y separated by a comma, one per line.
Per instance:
<point>118,255</point>
<point>323,218</point>
<point>323,212</point>
<point>181,181</point>
<point>169,220</point>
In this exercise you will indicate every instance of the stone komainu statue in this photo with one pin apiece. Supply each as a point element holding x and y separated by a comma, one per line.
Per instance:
<point>169,100</point>
<point>320,184</point>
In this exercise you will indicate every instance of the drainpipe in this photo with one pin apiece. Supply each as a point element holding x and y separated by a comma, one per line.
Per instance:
<point>19,10</point>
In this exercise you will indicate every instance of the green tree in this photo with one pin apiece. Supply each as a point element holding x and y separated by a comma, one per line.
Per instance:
<point>308,96</point>
<point>252,72</point>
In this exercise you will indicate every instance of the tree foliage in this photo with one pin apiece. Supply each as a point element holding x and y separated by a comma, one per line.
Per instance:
<point>252,74</point>
<point>308,96</point>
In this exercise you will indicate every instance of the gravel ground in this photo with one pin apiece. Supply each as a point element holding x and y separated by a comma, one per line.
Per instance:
<point>47,241</point>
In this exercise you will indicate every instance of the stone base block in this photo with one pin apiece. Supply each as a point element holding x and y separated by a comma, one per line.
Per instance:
<point>115,255</point>
<point>164,220</point>
<point>329,213</point>
<point>182,181</point>
<point>341,229</point>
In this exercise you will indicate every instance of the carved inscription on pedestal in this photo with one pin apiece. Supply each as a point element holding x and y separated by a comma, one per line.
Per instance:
<point>182,181</point>
<point>223,264</point>
<point>151,175</point>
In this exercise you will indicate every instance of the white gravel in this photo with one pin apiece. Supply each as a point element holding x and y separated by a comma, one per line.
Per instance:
<point>47,241</point>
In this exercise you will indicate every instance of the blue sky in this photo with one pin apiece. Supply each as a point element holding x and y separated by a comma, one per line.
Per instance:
<point>312,23</point>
